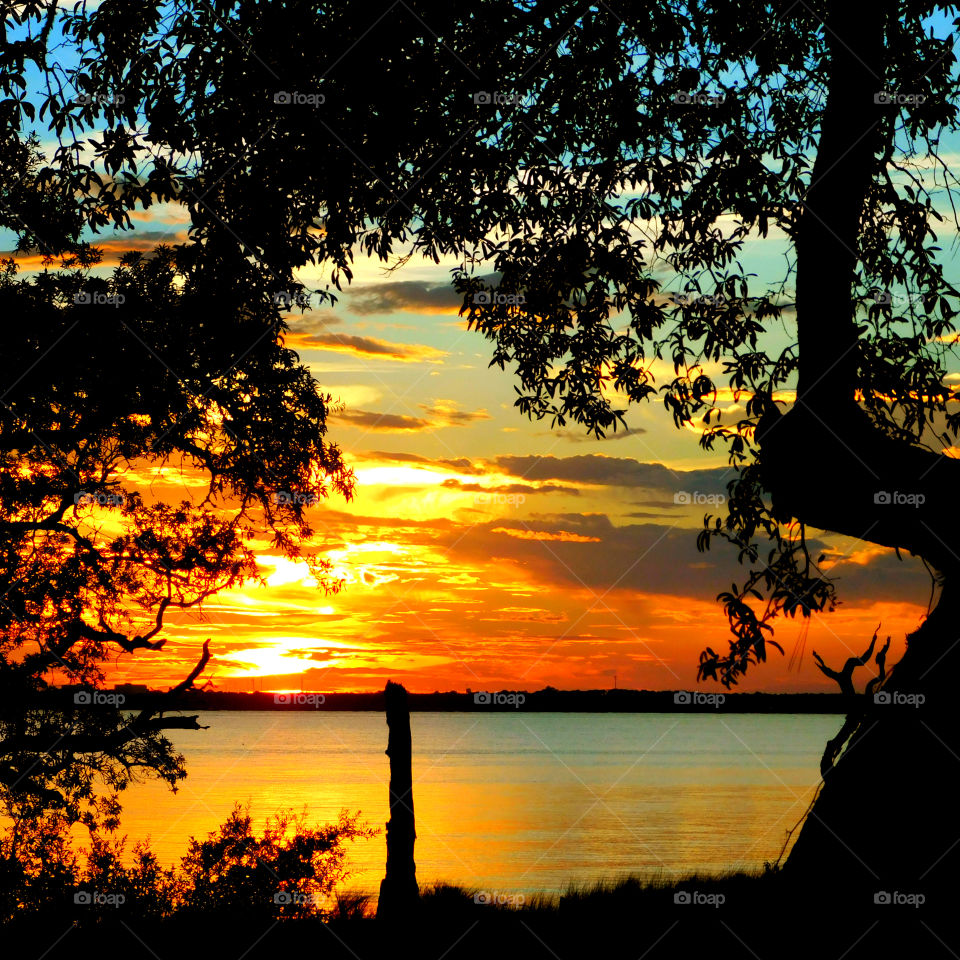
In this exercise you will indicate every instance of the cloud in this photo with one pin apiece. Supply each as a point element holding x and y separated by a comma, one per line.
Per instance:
<point>441,414</point>
<point>567,551</point>
<point>407,295</point>
<point>583,470</point>
<point>460,465</point>
<point>524,615</point>
<point>588,551</point>
<point>447,412</point>
<point>305,327</point>
<point>596,469</point>
<point>587,469</point>
<point>346,525</point>
<point>372,347</point>
<point>143,241</point>
<point>511,488</point>
<point>386,422</point>
<point>169,211</point>
<point>868,573</point>
<point>563,536</point>
<point>578,436</point>
<point>112,248</point>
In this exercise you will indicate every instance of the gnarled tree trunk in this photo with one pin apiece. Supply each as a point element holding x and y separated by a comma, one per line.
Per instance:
<point>886,817</point>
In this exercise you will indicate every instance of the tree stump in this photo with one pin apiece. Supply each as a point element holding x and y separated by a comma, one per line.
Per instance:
<point>398,889</point>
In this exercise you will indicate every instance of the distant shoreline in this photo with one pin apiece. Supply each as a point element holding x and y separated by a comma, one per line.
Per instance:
<point>504,701</point>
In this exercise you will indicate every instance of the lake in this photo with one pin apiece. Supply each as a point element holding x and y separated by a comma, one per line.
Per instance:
<point>513,803</point>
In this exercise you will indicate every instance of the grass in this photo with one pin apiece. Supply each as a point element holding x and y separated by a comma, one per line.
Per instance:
<point>654,918</point>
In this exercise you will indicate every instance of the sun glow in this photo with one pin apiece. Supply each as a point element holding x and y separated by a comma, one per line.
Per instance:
<point>286,571</point>
<point>287,655</point>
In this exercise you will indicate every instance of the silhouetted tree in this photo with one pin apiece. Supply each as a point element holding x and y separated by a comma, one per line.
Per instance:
<point>288,870</point>
<point>588,157</point>
<point>107,385</point>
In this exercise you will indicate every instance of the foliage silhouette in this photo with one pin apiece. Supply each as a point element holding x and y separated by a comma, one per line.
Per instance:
<point>160,366</point>
<point>286,870</point>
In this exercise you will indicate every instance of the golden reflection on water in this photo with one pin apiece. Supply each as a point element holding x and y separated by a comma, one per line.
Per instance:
<point>517,803</point>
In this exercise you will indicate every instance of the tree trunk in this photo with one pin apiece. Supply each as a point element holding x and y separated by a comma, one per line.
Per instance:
<point>398,889</point>
<point>885,819</point>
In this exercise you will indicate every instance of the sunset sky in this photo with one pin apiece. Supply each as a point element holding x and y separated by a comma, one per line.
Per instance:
<point>486,551</point>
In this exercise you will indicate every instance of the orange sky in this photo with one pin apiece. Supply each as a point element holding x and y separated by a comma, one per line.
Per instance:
<point>485,551</point>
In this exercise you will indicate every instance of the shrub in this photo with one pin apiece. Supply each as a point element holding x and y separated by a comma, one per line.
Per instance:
<point>290,869</point>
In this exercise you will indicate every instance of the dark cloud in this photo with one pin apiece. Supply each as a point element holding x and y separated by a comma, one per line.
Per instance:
<point>582,436</point>
<point>371,347</point>
<point>650,558</point>
<point>321,656</point>
<point>460,465</point>
<point>387,422</point>
<point>451,415</point>
<point>309,324</point>
<point>524,615</point>
<point>510,488</point>
<point>439,417</point>
<point>143,240</point>
<point>395,457</point>
<point>346,524</point>
<point>113,248</point>
<point>593,469</point>
<point>884,577</point>
<point>407,295</point>
<point>615,472</point>
<point>655,558</point>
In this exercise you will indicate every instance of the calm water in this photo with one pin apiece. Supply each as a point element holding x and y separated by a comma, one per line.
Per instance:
<point>516,803</point>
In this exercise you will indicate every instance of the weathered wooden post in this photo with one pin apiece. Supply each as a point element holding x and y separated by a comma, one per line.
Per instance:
<point>398,889</point>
